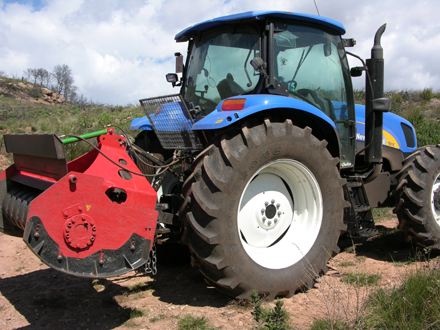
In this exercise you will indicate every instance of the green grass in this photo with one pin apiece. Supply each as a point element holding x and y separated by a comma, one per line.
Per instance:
<point>382,214</point>
<point>189,322</point>
<point>327,324</point>
<point>347,263</point>
<point>130,313</point>
<point>361,279</point>
<point>413,305</point>
<point>140,287</point>
<point>158,318</point>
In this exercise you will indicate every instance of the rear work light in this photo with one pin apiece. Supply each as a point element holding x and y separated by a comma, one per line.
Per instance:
<point>233,104</point>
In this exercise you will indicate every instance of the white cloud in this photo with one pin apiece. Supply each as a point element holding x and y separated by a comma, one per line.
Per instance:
<point>119,51</point>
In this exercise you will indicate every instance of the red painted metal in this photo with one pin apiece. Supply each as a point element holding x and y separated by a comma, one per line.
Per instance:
<point>78,214</point>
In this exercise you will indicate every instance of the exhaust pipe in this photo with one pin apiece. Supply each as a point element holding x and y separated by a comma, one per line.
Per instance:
<point>375,104</point>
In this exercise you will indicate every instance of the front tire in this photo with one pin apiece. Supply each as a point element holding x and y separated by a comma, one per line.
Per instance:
<point>263,210</point>
<point>418,191</point>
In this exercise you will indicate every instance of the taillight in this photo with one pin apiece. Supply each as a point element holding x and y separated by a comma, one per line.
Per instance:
<point>233,104</point>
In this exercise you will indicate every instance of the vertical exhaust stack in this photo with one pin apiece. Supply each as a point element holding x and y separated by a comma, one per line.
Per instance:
<point>375,103</point>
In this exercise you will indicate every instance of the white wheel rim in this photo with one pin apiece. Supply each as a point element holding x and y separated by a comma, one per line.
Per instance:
<point>280,214</point>
<point>434,195</point>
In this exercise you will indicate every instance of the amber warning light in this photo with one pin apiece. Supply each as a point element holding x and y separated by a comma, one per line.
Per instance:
<point>233,104</point>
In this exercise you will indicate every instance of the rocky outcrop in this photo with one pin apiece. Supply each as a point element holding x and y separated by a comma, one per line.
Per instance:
<point>29,92</point>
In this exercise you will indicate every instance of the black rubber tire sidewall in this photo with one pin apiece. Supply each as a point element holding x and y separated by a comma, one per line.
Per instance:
<point>241,269</point>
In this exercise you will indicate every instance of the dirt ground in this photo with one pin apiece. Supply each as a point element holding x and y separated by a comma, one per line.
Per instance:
<point>33,296</point>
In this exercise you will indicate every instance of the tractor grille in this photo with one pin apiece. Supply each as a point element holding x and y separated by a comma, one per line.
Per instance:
<point>172,122</point>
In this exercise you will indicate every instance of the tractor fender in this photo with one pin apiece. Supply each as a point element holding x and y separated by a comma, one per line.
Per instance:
<point>254,104</point>
<point>141,124</point>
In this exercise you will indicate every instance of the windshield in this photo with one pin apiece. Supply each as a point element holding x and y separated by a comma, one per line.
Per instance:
<point>219,66</point>
<point>313,65</point>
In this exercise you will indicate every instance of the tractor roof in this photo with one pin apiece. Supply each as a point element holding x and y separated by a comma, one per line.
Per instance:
<point>194,30</point>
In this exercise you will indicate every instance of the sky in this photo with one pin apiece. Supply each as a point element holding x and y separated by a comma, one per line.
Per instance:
<point>120,50</point>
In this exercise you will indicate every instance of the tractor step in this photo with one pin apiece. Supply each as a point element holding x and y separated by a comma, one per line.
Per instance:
<point>358,216</point>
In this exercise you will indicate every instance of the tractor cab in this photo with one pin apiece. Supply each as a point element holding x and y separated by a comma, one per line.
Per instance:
<point>280,54</point>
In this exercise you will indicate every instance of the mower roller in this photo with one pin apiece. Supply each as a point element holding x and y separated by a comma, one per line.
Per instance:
<point>91,217</point>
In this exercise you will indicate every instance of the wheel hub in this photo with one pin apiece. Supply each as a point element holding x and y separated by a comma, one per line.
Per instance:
<point>269,215</point>
<point>437,199</point>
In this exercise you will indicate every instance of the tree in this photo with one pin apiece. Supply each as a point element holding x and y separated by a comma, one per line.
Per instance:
<point>38,76</point>
<point>45,77</point>
<point>31,74</point>
<point>62,75</point>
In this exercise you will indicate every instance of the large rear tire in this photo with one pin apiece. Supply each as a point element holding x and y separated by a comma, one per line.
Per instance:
<point>418,191</point>
<point>263,210</point>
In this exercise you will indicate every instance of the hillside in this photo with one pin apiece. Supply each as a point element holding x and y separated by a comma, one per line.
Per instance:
<point>29,108</point>
<point>34,296</point>
<point>25,91</point>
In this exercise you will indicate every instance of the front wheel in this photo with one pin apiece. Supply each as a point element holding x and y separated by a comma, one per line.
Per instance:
<point>418,191</point>
<point>263,210</point>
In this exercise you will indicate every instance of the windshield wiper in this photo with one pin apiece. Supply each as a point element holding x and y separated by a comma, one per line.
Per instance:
<point>301,61</point>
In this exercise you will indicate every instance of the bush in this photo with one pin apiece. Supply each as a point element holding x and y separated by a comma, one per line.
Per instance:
<point>427,94</point>
<point>269,319</point>
<point>427,131</point>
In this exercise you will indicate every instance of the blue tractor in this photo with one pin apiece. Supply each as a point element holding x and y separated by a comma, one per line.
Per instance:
<point>260,162</point>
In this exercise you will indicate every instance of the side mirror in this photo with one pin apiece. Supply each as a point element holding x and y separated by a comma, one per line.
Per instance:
<point>382,104</point>
<point>179,62</point>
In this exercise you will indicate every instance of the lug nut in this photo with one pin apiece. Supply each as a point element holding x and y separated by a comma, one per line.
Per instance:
<point>275,220</point>
<point>273,201</point>
<point>264,219</point>
<point>279,213</point>
<point>266,203</point>
<point>278,205</point>
<point>262,211</point>
<point>83,218</point>
<point>269,223</point>
<point>80,208</point>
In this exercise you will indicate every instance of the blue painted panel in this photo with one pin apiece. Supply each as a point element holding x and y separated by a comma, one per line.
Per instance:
<point>141,124</point>
<point>192,31</point>
<point>256,103</point>
<point>393,135</point>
